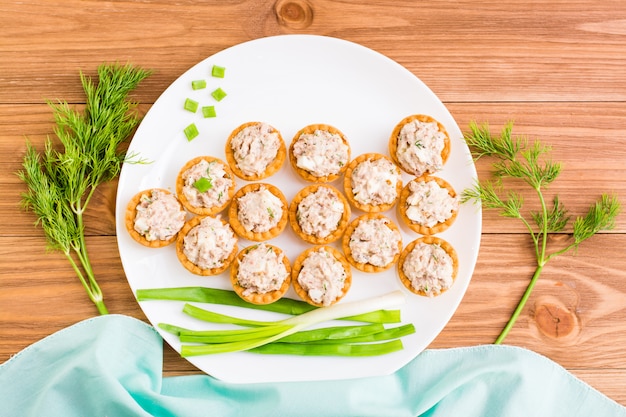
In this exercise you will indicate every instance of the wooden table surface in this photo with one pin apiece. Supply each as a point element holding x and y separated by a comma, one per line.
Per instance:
<point>555,67</point>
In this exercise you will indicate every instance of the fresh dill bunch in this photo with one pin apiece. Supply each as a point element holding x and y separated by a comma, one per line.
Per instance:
<point>60,183</point>
<point>515,158</point>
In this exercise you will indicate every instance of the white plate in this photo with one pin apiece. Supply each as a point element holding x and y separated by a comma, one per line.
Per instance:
<point>289,82</point>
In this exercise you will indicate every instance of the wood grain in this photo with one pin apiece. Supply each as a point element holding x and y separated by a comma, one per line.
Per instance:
<point>554,67</point>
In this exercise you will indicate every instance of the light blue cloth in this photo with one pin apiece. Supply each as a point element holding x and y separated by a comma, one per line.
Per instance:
<point>111,366</point>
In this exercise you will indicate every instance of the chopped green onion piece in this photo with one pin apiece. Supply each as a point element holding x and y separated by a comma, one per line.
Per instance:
<point>191,105</point>
<point>208,111</point>
<point>218,94</point>
<point>218,71</point>
<point>228,297</point>
<point>198,84</point>
<point>191,132</point>
<point>203,184</point>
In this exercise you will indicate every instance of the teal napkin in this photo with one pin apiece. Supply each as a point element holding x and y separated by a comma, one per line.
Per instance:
<point>112,366</point>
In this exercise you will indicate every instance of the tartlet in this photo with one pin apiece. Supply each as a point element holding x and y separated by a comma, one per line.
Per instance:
<point>255,150</point>
<point>333,286</point>
<point>428,215</point>
<point>259,268</point>
<point>423,281</point>
<point>201,237</point>
<point>319,214</point>
<point>143,202</point>
<point>424,148</point>
<point>372,243</point>
<point>372,182</point>
<point>205,185</point>
<point>258,212</point>
<point>319,153</point>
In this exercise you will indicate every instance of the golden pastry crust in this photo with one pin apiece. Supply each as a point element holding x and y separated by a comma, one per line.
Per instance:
<point>271,169</point>
<point>258,298</point>
<point>297,267</point>
<point>345,243</point>
<point>131,213</point>
<point>306,175</point>
<point>393,139</point>
<point>347,183</point>
<point>417,227</point>
<point>204,211</point>
<point>428,240</point>
<point>251,235</point>
<point>293,215</point>
<point>192,267</point>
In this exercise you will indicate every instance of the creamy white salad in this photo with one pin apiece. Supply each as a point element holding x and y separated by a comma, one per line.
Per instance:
<point>159,216</point>
<point>259,211</point>
<point>419,147</point>
<point>429,268</point>
<point>218,184</point>
<point>320,212</point>
<point>321,153</point>
<point>428,203</point>
<point>373,242</point>
<point>255,147</point>
<point>374,182</point>
<point>322,276</point>
<point>261,270</point>
<point>209,243</point>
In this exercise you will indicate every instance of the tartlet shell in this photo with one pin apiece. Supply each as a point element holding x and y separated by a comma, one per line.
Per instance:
<point>429,240</point>
<point>257,298</point>
<point>190,266</point>
<point>345,243</point>
<point>306,175</point>
<point>293,211</point>
<point>203,211</point>
<point>347,183</point>
<point>257,236</point>
<point>271,169</point>
<point>416,227</point>
<point>393,140</point>
<point>131,213</point>
<point>297,267</point>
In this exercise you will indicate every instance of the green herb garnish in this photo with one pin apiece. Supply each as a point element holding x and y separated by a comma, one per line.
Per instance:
<point>198,84</point>
<point>191,105</point>
<point>191,132</point>
<point>208,111</point>
<point>517,160</point>
<point>61,183</point>
<point>203,184</point>
<point>218,94</point>
<point>218,71</point>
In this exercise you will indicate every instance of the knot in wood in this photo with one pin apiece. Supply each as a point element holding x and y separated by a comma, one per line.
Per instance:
<point>294,14</point>
<point>555,321</point>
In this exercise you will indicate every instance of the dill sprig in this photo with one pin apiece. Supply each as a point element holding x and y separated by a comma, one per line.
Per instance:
<point>60,184</point>
<point>515,158</point>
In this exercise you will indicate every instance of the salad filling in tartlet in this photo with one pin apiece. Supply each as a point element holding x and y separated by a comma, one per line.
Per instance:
<point>319,153</point>
<point>255,150</point>
<point>154,217</point>
<point>372,182</point>
<point>321,276</point>
<point>372,243</point>
<point>205,185</point>
<point>428,266</point>
<point>419,144</point>
<point>261,274</point>
<point>206,245</point>
<point>258,212</point>
<point>428,205</point>
<point>319,214</point>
